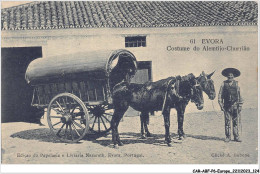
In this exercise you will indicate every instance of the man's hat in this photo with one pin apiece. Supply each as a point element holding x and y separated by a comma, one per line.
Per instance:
<point>234,71</point>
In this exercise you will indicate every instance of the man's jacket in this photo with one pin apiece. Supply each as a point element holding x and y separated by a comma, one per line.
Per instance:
<point>229,95</point>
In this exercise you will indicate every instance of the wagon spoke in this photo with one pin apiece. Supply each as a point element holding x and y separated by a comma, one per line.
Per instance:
<point>78,124</point>
<point>73,109</point>
<point>108,114</point>
<point>71,133</point>
<point>71,112</point>
<point>60,129</point>
<point>65,105</point>
<point>103,123</point>
<point>94,123</point>
<point>56,110</point>
<point>98,124</point>
<point>56,124</point>
<point>55,116</point>
<point>106,118</point>
<point>75,129</point>
<point>66,131</point>
<point>60,106</point>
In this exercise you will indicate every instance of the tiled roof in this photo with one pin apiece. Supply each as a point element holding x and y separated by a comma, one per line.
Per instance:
<point>134,14</point>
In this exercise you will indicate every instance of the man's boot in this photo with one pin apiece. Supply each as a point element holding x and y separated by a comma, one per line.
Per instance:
<point>237,139</point>
<point>227,139</point>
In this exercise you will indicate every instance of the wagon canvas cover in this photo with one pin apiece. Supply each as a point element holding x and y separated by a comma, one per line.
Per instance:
<point>65,63</point>
<point>88,65</point>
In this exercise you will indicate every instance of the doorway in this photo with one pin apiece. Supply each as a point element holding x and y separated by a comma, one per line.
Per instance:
<point>16,94</point>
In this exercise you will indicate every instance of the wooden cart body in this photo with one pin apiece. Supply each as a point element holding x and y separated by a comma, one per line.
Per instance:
<point>91,92</point>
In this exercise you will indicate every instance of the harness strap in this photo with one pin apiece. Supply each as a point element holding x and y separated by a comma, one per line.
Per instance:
<point>166,93</point>
<point>177,86</point>
<point>142,97</point>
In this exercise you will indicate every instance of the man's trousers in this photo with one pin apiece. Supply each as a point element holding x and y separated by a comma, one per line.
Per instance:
<point>234,116</point>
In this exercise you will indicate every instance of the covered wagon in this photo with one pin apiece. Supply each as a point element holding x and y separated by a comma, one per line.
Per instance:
<point>76,90</point>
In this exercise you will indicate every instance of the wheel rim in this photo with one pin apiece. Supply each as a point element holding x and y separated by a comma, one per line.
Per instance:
<point>100,118</point>
<point>67,117</point>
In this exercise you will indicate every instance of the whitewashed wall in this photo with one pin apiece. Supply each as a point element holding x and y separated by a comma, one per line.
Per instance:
<point>165,63</point>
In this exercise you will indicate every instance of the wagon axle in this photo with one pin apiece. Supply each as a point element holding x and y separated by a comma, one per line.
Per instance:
<point>98,111</point>
<point>66,119</point>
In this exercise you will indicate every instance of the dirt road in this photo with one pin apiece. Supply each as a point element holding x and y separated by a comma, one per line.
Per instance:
<point>25,143</point>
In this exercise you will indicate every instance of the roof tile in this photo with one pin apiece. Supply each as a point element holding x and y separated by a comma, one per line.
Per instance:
<point>94,14</point>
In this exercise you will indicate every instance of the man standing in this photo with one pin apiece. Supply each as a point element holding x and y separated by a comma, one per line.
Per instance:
<point>231,102</point>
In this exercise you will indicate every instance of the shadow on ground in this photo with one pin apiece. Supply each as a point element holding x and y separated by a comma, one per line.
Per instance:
<point>203,137</point>
<point>134,138</point>
<point>44,135</point>
<point>156,139</point>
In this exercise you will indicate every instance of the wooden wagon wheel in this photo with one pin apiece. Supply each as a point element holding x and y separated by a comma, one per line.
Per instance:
<point>100,118</point>
<point>67,117</point>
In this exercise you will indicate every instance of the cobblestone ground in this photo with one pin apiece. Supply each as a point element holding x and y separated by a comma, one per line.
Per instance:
<point>25,143</point>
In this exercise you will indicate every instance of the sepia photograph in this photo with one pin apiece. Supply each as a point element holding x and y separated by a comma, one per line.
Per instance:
<point>130,82</point>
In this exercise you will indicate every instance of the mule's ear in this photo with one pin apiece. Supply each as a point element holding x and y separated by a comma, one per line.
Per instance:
<point>209,76</point>
<point>203,73</point>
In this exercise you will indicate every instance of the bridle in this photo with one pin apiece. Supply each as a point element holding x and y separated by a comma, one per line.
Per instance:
<point>206,83</point>
<point>196,88</point>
